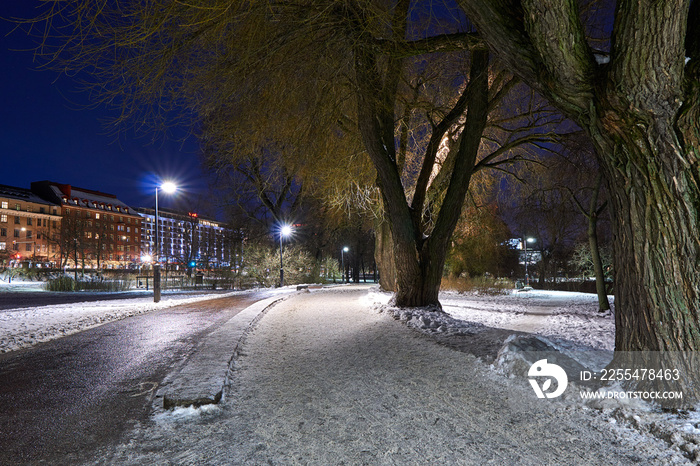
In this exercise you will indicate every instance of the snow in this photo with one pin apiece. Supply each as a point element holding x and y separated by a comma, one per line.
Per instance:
<point>26,326</point>
<point>292,403</point>
<point>571,324</point>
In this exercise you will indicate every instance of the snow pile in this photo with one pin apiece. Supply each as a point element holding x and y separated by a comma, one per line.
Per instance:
<point>174,417</point>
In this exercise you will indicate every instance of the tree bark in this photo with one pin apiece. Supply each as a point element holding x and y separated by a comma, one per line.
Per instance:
<point>384,256</point>
<point>640,111</point>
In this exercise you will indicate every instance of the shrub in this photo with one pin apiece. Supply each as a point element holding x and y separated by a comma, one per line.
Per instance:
<point>480,285</point>
<point>261,265</point>
<point>66,283</point>
<point>60,284</point>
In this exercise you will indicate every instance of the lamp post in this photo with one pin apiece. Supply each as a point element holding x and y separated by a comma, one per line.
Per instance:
<point>33,243</point>
<point>342,262</point>
<point>285,230</point>
<point>169,188</point>
<point>525,241</point>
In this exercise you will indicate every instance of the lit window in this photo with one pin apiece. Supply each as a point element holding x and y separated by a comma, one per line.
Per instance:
<point>4,205</point>
<point>3,218</point>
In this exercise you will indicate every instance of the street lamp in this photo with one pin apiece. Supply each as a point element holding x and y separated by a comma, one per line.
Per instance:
<point>168,187</point>
<point>33,243</point>
<point>525,241</point>
<point>285,230</point>
<point>342,262</point>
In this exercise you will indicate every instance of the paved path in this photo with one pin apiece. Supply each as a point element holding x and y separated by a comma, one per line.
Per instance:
<point>62,399</point>
<point>325,380</point>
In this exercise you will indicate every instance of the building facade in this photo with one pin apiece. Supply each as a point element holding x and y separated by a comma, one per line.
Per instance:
<point>97,229</point>
<point>28,225</point>
<point>188,240</point>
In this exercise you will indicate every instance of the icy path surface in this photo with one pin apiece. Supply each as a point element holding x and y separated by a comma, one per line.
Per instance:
<point>325,380</point>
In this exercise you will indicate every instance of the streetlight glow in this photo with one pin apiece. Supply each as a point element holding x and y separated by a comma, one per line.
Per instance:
<point>342,262</point>
<point>168,187</point>
<point>285,230</point>
<point>527,259</point>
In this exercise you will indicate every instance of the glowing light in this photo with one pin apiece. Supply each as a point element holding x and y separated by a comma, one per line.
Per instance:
<point>169,187</point>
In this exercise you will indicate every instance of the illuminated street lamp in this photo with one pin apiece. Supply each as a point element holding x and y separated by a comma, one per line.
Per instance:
<point>525,241</point>
<point>342,262</point>
<point>168,187</point>
<point>285,230</point>
<point>33,243</point>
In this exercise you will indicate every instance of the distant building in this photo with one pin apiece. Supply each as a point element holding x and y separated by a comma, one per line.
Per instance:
<point>27,225</point>
<point>97,229</point>
<point>187,238</point>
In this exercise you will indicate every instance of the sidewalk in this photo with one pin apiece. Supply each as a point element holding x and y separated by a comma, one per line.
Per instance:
<point>322,379</point>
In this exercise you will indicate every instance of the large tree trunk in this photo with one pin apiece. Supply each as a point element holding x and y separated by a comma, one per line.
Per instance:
<point>641,111</point>
<point>656,245</point>
<point>384,256</point>
<point>657,264</point>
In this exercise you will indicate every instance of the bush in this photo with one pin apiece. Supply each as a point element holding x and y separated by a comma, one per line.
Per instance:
<point>66,283</point>
<point>480,285</point>
<point>261,266</point>
<point>60,284</point>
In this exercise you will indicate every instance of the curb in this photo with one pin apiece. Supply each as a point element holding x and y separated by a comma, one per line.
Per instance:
<point>203,377</point>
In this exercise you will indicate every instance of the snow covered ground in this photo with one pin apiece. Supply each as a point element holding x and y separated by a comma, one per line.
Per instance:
<point>569,321</point>
<point>571,324</point>
<point>331,377</point>
<point>24,327</point>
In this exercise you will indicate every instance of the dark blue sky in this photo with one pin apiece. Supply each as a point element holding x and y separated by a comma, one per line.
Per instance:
<point>45,136</point>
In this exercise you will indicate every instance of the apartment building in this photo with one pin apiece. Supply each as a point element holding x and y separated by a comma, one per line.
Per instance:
<point>28,226</point>
<point>187,238</point>
<point>97,229</point>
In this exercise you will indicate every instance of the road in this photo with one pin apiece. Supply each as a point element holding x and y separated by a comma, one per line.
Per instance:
<point>12,299</point>
<point>63,399</point>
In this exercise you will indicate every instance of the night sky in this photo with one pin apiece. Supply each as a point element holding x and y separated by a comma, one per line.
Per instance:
<point>46,133</point>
